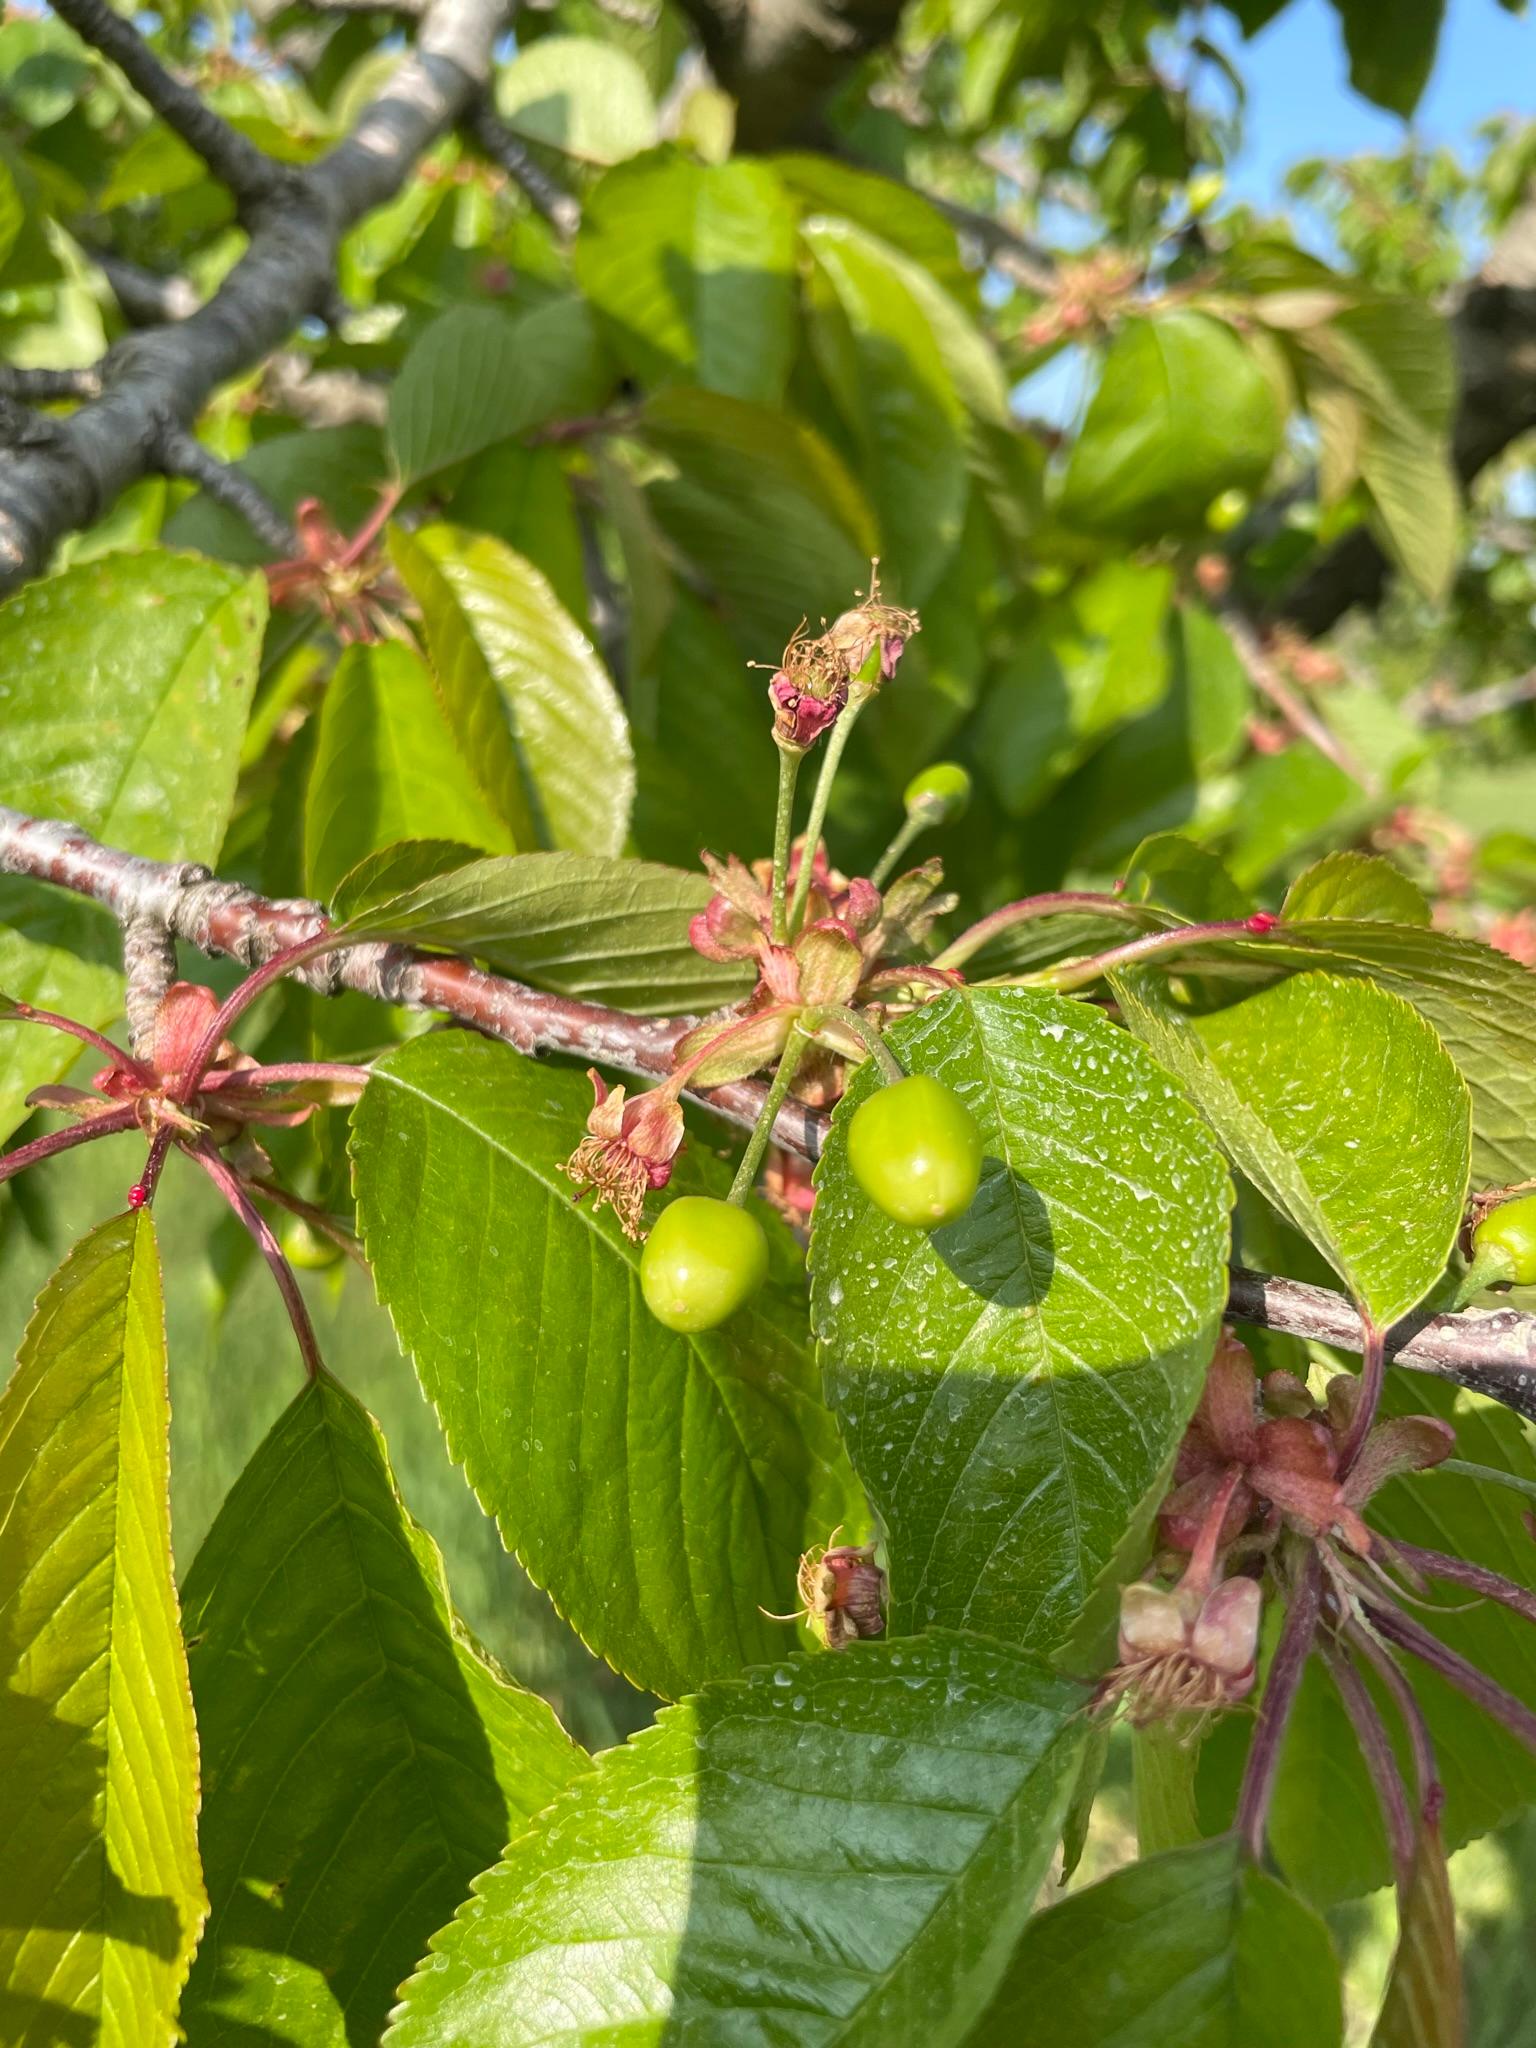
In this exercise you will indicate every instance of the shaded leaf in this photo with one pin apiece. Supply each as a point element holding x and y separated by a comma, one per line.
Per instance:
<point>101,1896</point>
<point>394,871</point>
<point>1182,412</point>
<point>344,467</point>
<point>661,1487</point>
<point>1392,70</point>
<point>841,1845</point>
<point>386,768</point>
<point>763,509</point>
<point>881,360</point>
<point>477,376</point>
<point>1097,656</point>
<point>691,268</point>
<point>530,705</point>
<point>327,1660</point>
<point>610,930</point>
<point>1342,1107</point>
<point>1013,1386</point>
<point>1196,1947</point>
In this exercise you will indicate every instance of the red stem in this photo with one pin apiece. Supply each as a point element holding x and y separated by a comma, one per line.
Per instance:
<point>285,1073</point>
<point>1202,1559</point>
<point>1460,1571</point>
<point>1482,1690</point>
<point>1053,903</point>
<point>1373,1374</point>
<point>1079,973</point>
<point>1380,1761</point>
<point>371,527</point>
<point>1425,1769</point>
<point>228,1185</point>
<point>1285,1671</point>
<point>23,1013</point>
<point>109,1123</point>
<point>239,1000</point>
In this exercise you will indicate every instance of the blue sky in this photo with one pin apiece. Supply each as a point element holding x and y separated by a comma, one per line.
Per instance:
<point>1300,103</point>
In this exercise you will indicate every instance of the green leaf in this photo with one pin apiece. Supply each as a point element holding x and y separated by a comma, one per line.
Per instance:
<point>1097,656</point>
<point>395,871</point>
<point>1182,413</point>
<point>1162,769</point>
<point>12,211</point>
<point>1424,2006</point>
<point>1284,804</point>
<point>892,385</point>
<point>530,705</point>
<point>386,768</point>
<point>691,268</point>
<point>1012,1387</point>
<point>884,207</point>
<point>836,1850</point>
<point>101,1896</point>
<point>1197,1947</point>
<point>613,931</point>
<point>523,496</point>
<point>660,1487</point>
<point>478,376</point>
<point>125,684</point>
<point>1175,874</point>
<point>1354,885</point>
<point>762,508</point>
<point>580,95</point>
<point>1481,1003</point>
<point>1342,1107</point>
<point>1391,70</point>
<point>327,1661</point>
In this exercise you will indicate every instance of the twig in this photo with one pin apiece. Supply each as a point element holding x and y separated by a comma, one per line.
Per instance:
<point>1292,707</point>
<point>512,155</point>
<point>232,157</point>
<point>149,968</point>
<point>1489,1351</point>
<point>144,297</point>
<point>181,454</point>
<point>1439,704</point>
<point>43,387</point>
<point>288,270</point>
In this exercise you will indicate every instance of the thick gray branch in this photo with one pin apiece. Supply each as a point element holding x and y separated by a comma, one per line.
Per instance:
<point>164,377</point>
<point>1491,1351</point>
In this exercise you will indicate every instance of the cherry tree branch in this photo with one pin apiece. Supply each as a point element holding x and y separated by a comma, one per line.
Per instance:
<point>161,378</point>
<point>1489,1351</point>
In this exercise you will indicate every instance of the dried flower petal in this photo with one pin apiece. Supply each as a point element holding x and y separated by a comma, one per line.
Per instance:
<point>628,1149</point>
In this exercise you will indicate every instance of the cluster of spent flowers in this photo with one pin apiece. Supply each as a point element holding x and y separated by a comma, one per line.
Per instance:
<point>811,685</point>
<point>1261,1463</point>
<point>347,580</point>
<point>192,1090</point>
<point>842,1593</point>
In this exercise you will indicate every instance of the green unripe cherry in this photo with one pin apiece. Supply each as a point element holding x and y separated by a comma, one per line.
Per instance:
<point>702,1260</point>
<point>941,792</point>
<point>1505,1241</point>
<point>1228,509</point>
<point>915,1150</point>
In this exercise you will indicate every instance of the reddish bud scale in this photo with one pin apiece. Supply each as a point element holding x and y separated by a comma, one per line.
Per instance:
<point>1261,922</point>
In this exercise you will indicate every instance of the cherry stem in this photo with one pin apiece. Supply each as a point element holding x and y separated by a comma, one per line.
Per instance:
<point>1425,1770</point>
<point>105,1125</point>
<point>1202,1559</point>
<point>1380,1760</point>
<point>239,1000</point>
<point>837,739</point>
<point>912,826</point>
<point>317,1218</point>
<point>767,1116</point>
<point>1482,1690</point>
<point>1463,1468</point>
<point>1373,1374</point>
<point>1461,1571</point>
<point>287,1073</point>
<point>1296,1637</point>
<point>871,1039</point>
<point>228,1184</point>
<point>371,527</point>
<point>783,833</point>
<point>1492,1267</point>
<point>1078,974</point>
<point>159,1149</point>
<point>1053,903</point>
<point>23,1013</point>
